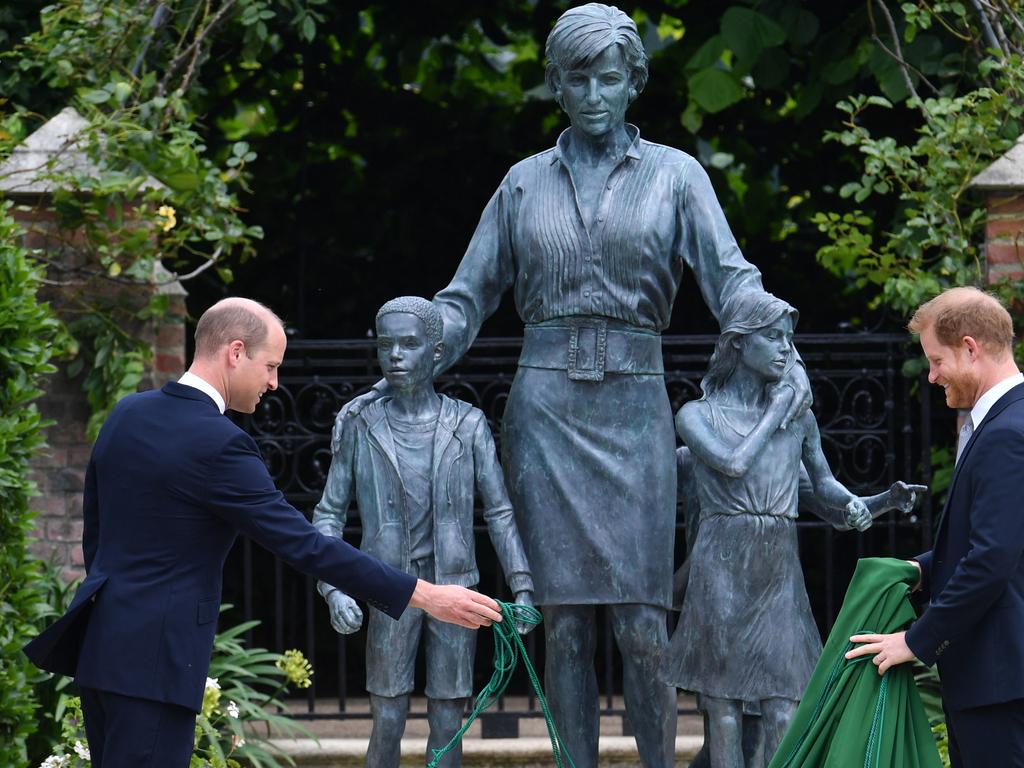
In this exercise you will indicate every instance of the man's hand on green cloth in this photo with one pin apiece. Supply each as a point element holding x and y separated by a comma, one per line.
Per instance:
<point>888,650</point>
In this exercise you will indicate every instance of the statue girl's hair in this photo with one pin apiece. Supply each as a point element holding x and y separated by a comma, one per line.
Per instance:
<point>742,314</point>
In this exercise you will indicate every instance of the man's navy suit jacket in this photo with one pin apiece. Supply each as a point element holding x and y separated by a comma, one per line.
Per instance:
<point>170,483</point>
<point>974,575</point>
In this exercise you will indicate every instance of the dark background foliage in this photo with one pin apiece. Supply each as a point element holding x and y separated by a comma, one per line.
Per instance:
<point>381,140</point>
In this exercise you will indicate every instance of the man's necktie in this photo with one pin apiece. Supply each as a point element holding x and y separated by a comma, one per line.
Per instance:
<point>965,435</point>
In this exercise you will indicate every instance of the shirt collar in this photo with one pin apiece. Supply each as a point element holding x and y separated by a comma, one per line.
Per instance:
<point>633,152</point>
<point>991,397</point>
<point>189,379</point>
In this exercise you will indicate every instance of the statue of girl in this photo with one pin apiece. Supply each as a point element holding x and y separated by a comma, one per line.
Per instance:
<point>746,633</point>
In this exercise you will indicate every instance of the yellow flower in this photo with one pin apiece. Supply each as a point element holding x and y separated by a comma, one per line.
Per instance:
<point>166,212</point>
<point>296,668</point>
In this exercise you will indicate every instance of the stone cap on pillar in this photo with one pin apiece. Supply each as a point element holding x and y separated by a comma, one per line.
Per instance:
<point>56,147</point>
<point>1006,173</point>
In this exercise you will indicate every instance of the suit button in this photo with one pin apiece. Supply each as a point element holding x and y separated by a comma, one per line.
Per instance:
<point>391,501</point>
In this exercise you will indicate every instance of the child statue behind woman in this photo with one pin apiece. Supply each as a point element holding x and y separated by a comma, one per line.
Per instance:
<point>746,633</point>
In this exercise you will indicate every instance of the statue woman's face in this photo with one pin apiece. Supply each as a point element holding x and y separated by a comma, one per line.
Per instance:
<point>596,96</point>
<point>767,351</point>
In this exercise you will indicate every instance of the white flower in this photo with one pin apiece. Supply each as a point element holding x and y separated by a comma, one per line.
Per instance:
<point>54,761</point>
<point>232,709</point>
<point>211,682</point>
<point>82,750</point>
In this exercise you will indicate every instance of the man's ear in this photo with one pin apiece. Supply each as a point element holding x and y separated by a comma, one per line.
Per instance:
<point>236,349</point>
<point>971,346</point>
<point>438,351</point>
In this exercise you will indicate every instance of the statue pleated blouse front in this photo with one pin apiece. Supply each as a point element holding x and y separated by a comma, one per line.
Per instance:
<point>590,465</point>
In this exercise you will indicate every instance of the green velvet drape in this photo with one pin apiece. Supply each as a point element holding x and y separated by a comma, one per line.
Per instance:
<point>850,717</point>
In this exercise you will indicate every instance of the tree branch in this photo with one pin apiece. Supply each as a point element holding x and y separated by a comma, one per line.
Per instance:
<point>1008,11</point>
<point>897,53</point>
<point>197,271</point>
<point>160,15</point>
<point>191,52</point>
<point>986,27</point>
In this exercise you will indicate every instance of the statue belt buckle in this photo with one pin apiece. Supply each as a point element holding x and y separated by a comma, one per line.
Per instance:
<point>588,349</point>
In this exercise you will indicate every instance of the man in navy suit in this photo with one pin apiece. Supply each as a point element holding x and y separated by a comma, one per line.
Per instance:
<point>974,575</point>
<point>169,485</point>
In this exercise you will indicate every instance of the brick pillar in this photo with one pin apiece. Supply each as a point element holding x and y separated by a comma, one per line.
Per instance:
<point>1002,184</point>
<point>1004,237</point>
<point>60,471</point>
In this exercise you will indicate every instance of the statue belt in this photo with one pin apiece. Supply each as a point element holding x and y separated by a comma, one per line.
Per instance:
<point>586,349</point>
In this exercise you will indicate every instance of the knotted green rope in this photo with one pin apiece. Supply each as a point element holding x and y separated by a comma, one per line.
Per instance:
<point>508,650</point>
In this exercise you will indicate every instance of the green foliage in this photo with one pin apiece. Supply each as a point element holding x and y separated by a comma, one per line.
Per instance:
<point>29,338</point>
<point>241,705</point>
<point>239,712</point>
<point>924,232</point>
<point>931,241</point>
<point>51,691</point>
<point>153,192</point>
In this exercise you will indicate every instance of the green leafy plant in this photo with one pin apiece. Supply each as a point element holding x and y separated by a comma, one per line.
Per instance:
<point>923,234</point>
<point>52,692</point>
<point>152,205</point>
<point>932,240</point>
<point>30,336</point>
<point>241,703</point>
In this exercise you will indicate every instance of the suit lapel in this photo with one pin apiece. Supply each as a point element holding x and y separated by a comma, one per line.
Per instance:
<point>1015,394</point>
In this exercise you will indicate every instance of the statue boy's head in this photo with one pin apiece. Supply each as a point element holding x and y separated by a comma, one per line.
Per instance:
<point>408,341</point>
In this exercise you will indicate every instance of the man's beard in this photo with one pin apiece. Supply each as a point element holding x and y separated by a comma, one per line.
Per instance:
<point>960,390</point>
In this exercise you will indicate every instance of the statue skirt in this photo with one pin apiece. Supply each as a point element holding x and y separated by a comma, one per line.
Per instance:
<point>590,468</point>
<point>746,631</point>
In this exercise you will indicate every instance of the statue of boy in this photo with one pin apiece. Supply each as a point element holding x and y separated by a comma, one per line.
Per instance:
<point>412,460</point>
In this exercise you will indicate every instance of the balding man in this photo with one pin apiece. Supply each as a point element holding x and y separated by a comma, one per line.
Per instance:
<point>170,484</point>
<point>974,574</point>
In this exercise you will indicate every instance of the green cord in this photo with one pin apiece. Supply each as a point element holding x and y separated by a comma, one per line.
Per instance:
<point>873,752</point>
<point>508,650</point>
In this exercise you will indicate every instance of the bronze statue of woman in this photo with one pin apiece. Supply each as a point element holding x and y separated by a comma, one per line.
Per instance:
<point>593,236</point>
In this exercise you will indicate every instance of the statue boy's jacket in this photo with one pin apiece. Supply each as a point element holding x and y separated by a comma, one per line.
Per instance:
<point>365,468</point>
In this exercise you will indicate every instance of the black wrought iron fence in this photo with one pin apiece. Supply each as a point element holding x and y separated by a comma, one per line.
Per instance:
<point>876,427</point>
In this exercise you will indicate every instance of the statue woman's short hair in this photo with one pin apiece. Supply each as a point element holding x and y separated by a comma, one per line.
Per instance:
<point>742,314</point>
<point>582,34</point>
<point>421,308</point>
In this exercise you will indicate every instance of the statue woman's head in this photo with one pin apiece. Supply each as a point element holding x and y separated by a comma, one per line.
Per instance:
<point>596,66</point>
<point>757,332</point>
